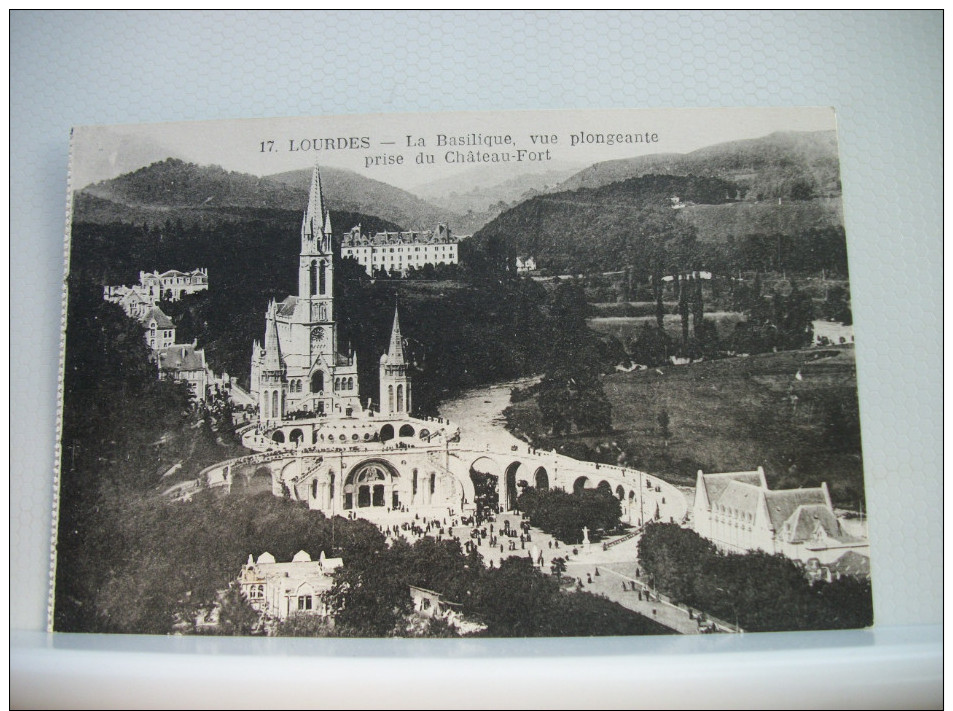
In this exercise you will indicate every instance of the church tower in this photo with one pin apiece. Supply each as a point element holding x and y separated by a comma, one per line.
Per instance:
<point>395,398</point>
<point>299,372</point>
<point>271,392</point>
<point>316,263</point>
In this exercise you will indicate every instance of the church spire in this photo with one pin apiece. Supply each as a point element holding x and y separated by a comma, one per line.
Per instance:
<point>395,353</point>
<point>272,346</point>
<point>316,197</point>
<point>316,225</point>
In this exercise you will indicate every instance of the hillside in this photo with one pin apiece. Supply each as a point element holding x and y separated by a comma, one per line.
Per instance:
<point>737,200</point>
<point>788,164</point>
<point>490,189</point>
<point>719,223</point>
<point>174,183</point>
<point>731,415</point>
<point>210,195</point>
<point>592,229</point>
<point>346,190</point>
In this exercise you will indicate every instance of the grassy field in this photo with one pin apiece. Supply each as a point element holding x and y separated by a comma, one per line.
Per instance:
<point>733,414</point>
<point>627,328</point>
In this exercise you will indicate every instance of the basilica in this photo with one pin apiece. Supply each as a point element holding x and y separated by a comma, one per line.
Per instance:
<point>301,370</point>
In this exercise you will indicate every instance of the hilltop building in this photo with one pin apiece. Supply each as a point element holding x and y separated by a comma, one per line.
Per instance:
<point>134,300</point>
<point>152,287</point>
<point>738,513</point>
<point>525,264</point>
<point>173,284</point>
<point>301,369</point>
<point>399,251</point>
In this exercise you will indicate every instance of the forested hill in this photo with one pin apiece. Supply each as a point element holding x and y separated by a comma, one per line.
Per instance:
<point>790,165</point>
<point>593,229</point>
<point>210,195</point>
<point>347,190</point>
<point>174,183</point>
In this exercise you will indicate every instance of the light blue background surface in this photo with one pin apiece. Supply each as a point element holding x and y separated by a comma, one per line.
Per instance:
<point>881,71</point>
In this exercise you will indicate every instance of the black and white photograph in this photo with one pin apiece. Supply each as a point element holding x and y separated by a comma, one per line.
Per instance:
<point>510,374</point>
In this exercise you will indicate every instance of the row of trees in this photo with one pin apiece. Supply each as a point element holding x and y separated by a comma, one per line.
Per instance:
<point>781,321</point>
<point>564,515</point>
<point>761,592</point>
<point>370,595</point>
<point>571,392</point>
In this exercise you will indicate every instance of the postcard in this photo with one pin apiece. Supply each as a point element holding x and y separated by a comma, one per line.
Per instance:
<point>513,374</point>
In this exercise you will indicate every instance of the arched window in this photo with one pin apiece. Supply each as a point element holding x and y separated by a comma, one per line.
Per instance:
<point>350,383</point>
<point>274,403</point>
<point>317,381</point>
<point>390,398</point>
<point>400,398</point>
<point>323,277</point>
<point>313,278</point>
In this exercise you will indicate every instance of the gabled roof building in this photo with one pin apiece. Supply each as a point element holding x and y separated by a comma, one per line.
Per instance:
<point>738,513</point>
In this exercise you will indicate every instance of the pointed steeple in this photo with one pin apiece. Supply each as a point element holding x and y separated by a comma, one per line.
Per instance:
<point>395,353</point>
<point>316,198</point>
<point>317,220</point>
<point>272,346</point>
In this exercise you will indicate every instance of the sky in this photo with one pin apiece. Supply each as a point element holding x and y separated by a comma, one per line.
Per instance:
<point>387,147</point>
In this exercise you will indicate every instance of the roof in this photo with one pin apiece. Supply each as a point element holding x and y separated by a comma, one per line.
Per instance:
<point>782,504</point>
<point>851,563</point>
<point>437,236</point>
<point>162,321</point>
<point>299,570</point>
<point>181,357</point>
<point>715,484</point>
<point>740,496</point>
<point>287,307</point>
<point>805,520</point>
<point>395,352</point>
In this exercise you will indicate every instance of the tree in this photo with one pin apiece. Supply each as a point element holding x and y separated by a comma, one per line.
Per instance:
<point>698,307</point>
<point>236,616</point>
<point>564,515</point>
<point>658,291</point>
<point>762,592</point>
<point>304,624</point>
<point>683,311</point>
<point>663,423</point>
<point>652,347</point>
<point>558,566</point>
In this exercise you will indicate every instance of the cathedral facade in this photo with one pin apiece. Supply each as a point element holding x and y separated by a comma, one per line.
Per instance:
<point>301,370</point>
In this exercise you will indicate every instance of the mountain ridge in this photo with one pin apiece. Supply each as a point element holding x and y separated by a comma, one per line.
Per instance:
<point>174,188</point>
<point>782,164</point>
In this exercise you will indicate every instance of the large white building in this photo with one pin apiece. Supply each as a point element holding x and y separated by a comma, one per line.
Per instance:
<point>301,369</point>
<point>173,284</point>
<point>279,590</point>
<point>738,513</point>
<point>153,287</point>
<point>398,251</point>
